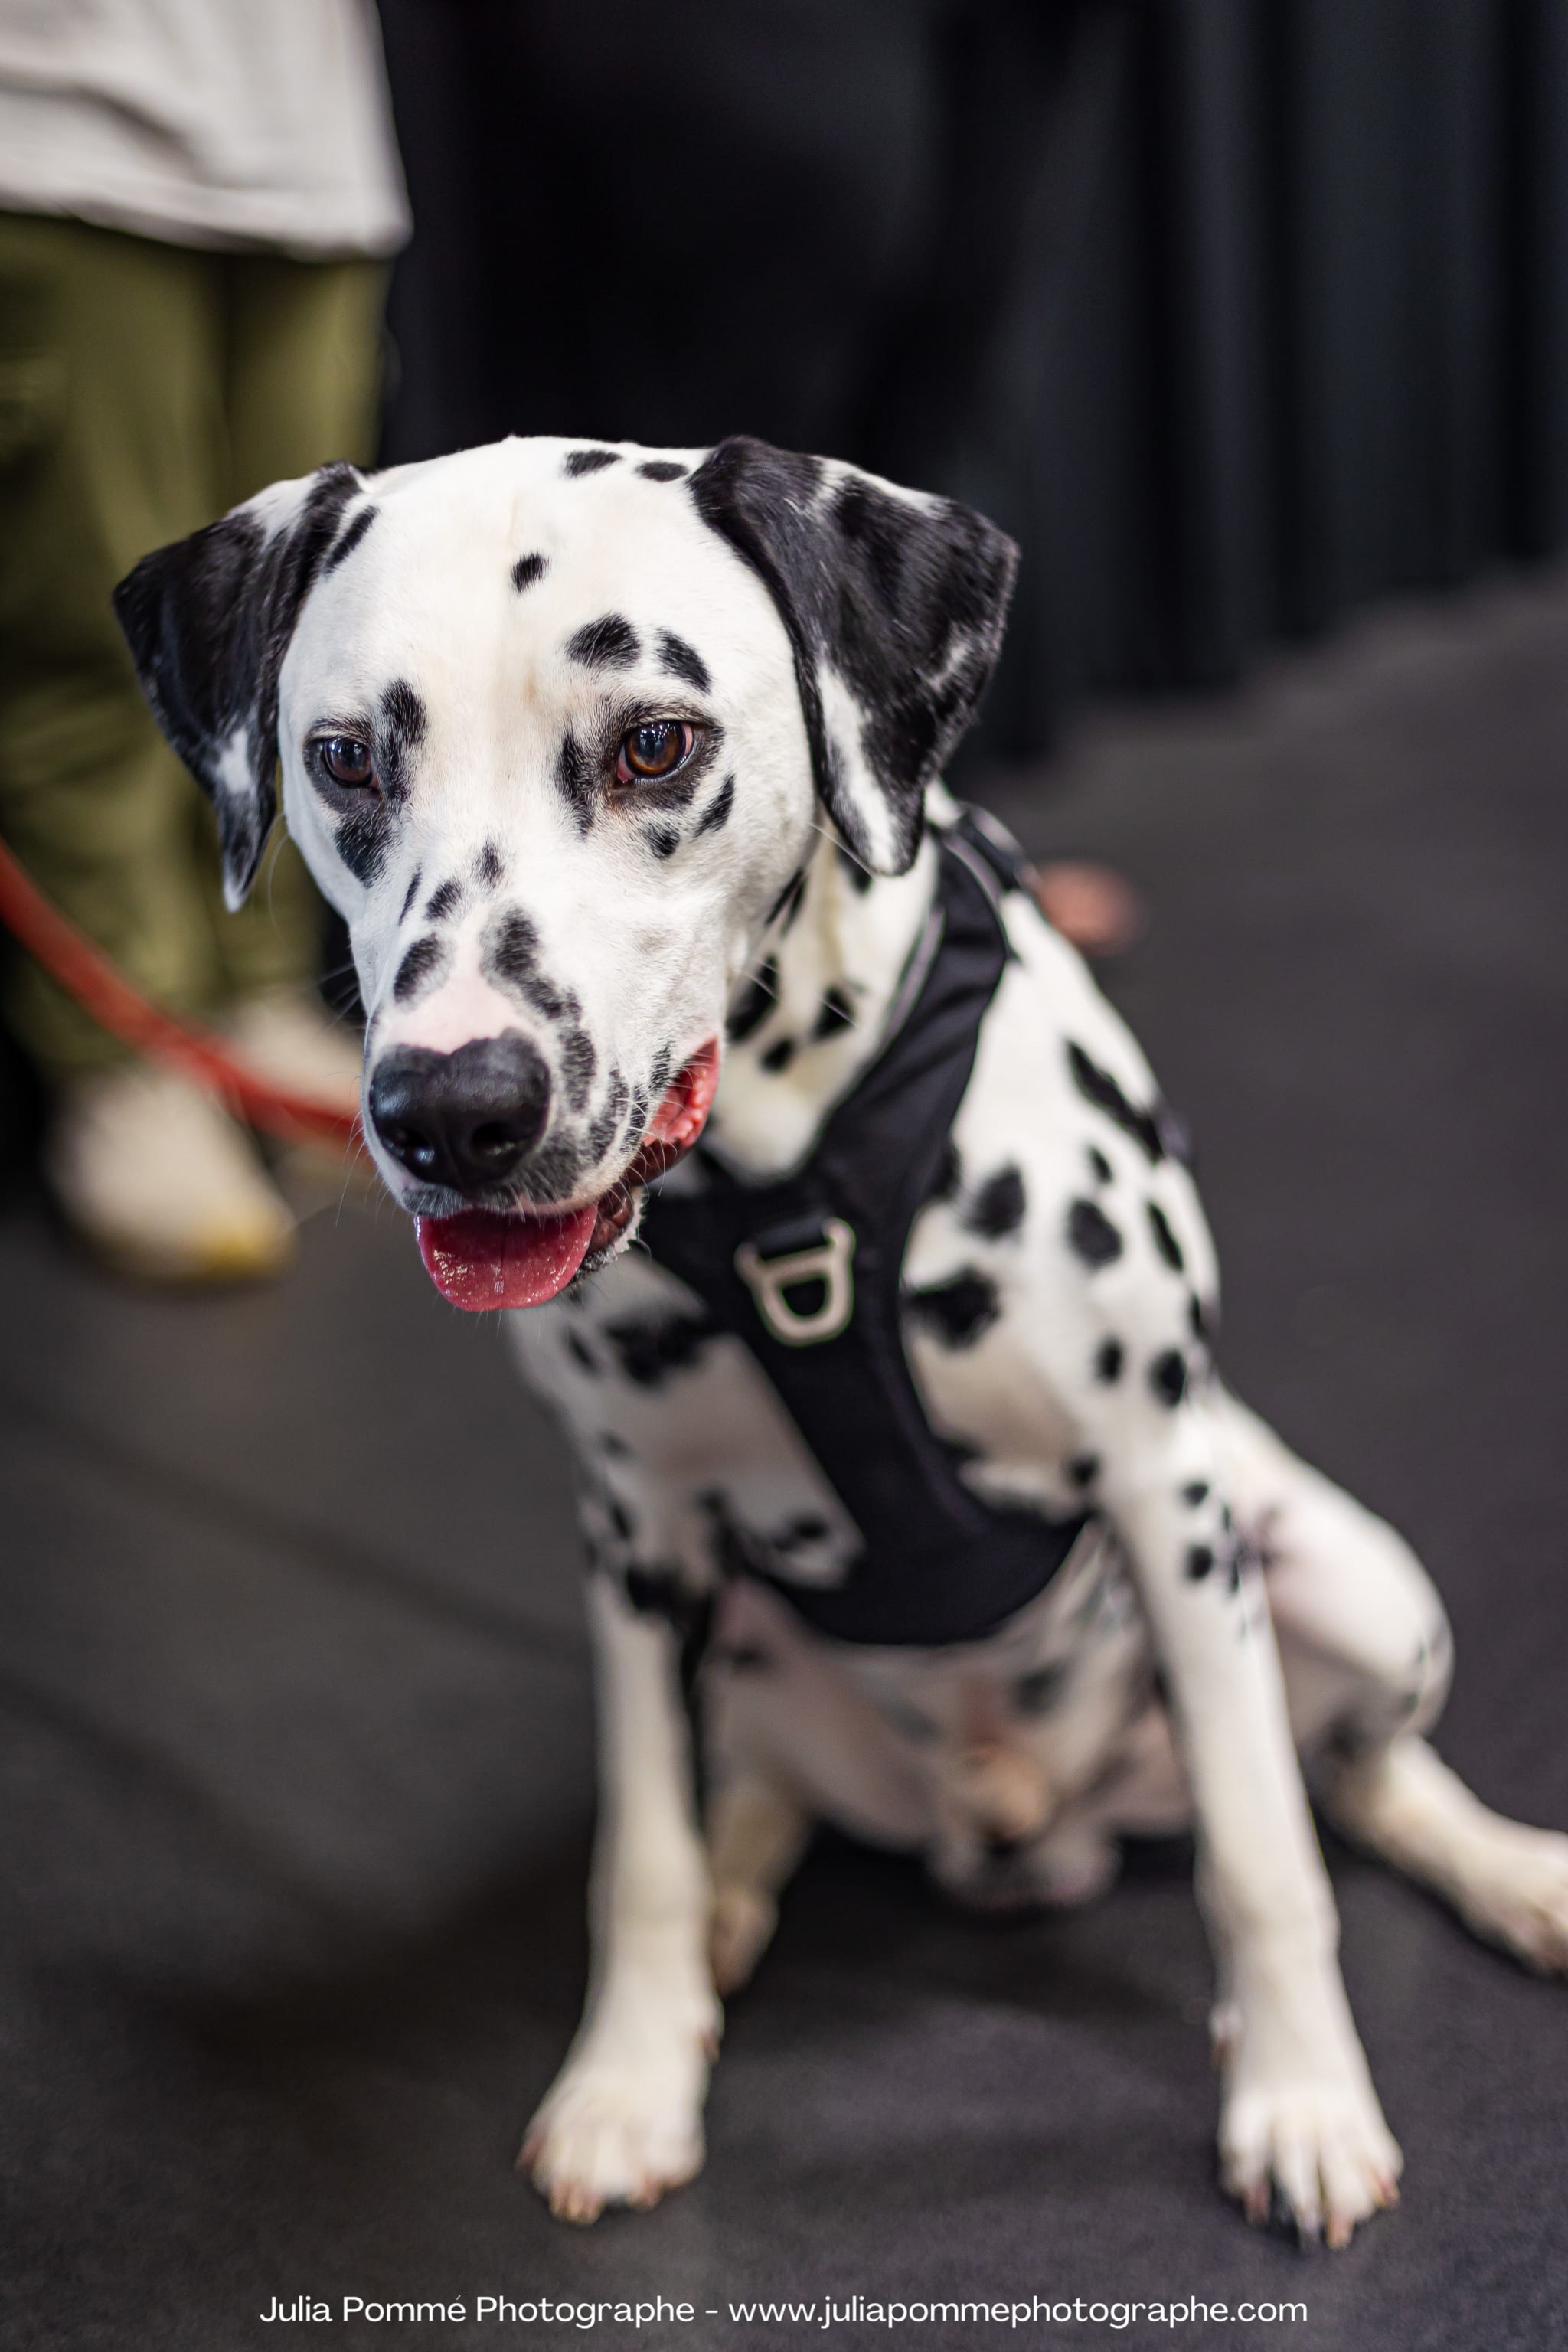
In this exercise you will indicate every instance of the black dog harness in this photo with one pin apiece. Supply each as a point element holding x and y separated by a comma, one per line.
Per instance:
<point>806,1273</point>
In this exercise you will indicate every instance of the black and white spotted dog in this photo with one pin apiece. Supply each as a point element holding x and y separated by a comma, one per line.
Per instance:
<point>622,768</point>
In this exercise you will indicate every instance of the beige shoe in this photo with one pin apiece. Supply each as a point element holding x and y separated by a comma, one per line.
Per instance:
<point>291,1040</point>
<point>157,1177</point>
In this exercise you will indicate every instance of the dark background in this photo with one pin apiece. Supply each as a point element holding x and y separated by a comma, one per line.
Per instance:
<point>1237,313</point>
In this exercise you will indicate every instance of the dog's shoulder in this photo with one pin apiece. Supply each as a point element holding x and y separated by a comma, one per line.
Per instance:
<point>1065,1251</point>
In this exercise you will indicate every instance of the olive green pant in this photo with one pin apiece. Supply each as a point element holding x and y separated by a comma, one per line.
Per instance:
<point>144,388</point>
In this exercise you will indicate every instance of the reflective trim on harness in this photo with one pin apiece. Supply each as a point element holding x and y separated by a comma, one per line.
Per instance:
<point>827,1263</point>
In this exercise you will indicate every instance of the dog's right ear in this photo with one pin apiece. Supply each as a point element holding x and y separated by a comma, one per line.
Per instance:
<point>208,622</point>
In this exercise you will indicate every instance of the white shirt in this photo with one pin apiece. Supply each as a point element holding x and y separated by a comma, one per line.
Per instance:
<point>209,122</point>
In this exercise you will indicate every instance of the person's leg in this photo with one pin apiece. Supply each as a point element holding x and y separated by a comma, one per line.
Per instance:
<point>303,367</point>
<point>110,350</point>
<point>110,344</point>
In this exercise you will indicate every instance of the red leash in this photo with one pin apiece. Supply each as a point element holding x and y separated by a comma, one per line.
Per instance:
<point>85,973</point>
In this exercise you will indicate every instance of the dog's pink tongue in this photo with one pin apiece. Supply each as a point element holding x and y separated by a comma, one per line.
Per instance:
<point>482,1262</point>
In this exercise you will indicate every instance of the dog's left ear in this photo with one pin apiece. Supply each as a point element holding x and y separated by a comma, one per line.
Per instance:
<point>208,622</point>
<point>894,604</point>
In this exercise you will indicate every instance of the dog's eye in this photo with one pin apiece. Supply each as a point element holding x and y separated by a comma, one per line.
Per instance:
<point>346,760</point>
<point>654,749</point>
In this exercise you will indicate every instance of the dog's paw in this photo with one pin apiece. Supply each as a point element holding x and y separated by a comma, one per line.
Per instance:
<point>1520,1899</point>
<point>1317,2154</point>
<point>621,2123</point>
<point>742,1928</point>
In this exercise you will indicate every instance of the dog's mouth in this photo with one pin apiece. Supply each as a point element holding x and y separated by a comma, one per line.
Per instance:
<point>485,1259</point>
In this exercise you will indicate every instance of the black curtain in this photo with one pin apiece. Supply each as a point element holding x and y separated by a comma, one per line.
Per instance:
<point>1236,313</point>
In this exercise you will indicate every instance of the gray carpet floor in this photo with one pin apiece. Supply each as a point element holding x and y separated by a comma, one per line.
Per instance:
<point>295,1723</point>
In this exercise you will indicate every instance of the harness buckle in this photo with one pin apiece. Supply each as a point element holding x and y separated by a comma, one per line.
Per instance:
<point>828,1263</point>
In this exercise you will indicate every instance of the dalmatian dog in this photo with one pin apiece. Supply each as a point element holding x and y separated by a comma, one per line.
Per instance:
<point>624,769</point>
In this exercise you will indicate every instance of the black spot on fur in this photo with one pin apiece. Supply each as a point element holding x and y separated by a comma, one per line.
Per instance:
<point>423,965</point>
<point>1097,1087</point>
<point>650,1347</point>
<point>1092,1234</point>
<point>661,470</point>
<point>444,901</point>
<point>575,778</point>
<point>1200,1560</point>
<point>754,1003</point>
<point>350,540</point>
<point>509,960</point>
<point>589,461</point>
<point>410,895</point>
<point>716,815</point>
<point>577,1348</point>
<point>404,725</point>
<point>809,1528</point>
<point>683,660</point>
<point>526,570</point>
<point>609,1443</point>
<point>663,840</point>
<point>1109,1358</point>
<point>511,951</point>
<point>959,1311</point>
<point>489,867</point>
<point>779,1057</point>
<point>997,1208</point>
<point>949,1177</point>
<point>579,1060</point>
<point>360,839</point>
<point>747,1659</point>
<point>603,1131</point>
<point>1038,1691</point>
<point>1198,1321</point>
<point>660,1593</point>
<point>1099,1167</point>
<point>1168,1376</point>
<point>609,643</point>
<point>1195,1492</point>
<point>837,1013</point>
<point>1084,1469</point>
<point>1165,1241</point>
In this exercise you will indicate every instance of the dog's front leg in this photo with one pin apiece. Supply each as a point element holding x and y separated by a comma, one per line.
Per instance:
<point>1301,2125</point>
<point>623,2120</point>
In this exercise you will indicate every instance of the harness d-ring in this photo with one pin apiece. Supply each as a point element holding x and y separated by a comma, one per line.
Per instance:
<point>828,1262</point>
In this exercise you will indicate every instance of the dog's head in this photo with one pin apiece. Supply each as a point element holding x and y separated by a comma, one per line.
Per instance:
<point>556,726</point>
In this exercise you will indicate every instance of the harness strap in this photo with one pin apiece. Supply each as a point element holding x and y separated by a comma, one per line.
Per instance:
<point>805,1270</point>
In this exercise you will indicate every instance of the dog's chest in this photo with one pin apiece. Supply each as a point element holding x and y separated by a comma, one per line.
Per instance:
<point>1039,1210</point>
<point>691,1466</point>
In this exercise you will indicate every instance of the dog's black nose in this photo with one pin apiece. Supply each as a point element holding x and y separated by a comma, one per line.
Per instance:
<point>462,1119</point>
